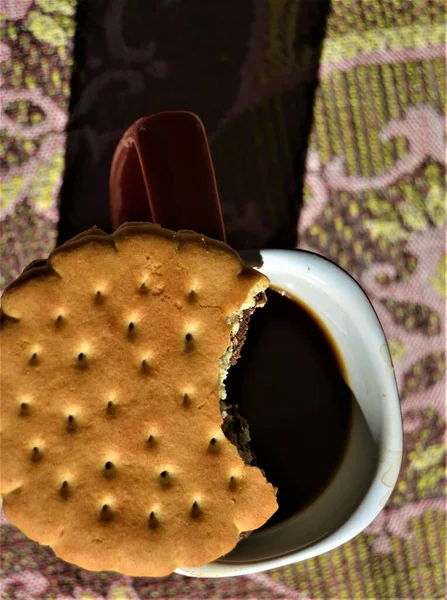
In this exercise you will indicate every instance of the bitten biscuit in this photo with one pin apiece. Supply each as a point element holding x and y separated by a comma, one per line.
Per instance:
<point>114,353</point>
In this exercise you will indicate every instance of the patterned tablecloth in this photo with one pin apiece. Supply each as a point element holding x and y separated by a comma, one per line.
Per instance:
<point>372,199</point>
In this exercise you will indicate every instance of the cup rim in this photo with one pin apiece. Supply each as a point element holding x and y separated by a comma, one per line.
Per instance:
<point>379,490</point>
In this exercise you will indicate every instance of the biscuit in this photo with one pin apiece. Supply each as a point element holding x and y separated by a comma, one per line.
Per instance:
<point>114,353</point>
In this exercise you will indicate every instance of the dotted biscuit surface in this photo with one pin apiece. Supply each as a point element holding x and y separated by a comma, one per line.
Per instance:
<point>112,450</point>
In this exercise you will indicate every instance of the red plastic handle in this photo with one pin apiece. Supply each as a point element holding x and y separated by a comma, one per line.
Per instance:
<point>162,172</point>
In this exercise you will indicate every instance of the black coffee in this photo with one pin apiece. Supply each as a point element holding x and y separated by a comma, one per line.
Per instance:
<point>290,386</point>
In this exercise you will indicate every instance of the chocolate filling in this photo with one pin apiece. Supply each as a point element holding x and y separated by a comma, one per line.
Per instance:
<point>241,335</point>
<point>234,426</point>
<point>237,431</point>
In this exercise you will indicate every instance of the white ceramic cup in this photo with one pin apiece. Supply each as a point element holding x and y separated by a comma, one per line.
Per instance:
<point>162,171</point>
<point>370,467</point>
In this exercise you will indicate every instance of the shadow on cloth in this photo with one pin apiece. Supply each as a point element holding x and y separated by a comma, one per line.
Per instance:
<point>248,69</point>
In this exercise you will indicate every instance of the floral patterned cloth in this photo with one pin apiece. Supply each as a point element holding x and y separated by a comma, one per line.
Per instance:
<point>372,199</point>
